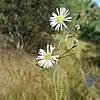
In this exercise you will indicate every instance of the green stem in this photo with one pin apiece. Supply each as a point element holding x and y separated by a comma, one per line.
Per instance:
<point>63,55</point>
<point>56,81</point>
<point>62,36</point>
<point>56,72</point>
<point>66,55</point>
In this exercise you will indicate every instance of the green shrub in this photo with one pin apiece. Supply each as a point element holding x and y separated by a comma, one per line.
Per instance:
<point>25,23</point>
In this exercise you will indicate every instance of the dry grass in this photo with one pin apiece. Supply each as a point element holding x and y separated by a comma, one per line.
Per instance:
<point>22,79</point>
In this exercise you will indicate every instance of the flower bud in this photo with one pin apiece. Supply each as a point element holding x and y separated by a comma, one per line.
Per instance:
<point>76,42</point>
<point>77,27</point>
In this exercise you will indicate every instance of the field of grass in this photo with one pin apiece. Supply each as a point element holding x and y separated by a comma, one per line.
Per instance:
<point>22,79</point>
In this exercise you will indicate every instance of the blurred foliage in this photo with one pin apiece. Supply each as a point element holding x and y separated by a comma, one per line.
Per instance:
<point>91,27</point>
<point>87,15</point>
<point>25,23</point>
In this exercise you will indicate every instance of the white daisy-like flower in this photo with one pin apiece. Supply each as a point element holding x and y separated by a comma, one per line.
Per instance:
<point>46,59</point>
<point>58,20</point>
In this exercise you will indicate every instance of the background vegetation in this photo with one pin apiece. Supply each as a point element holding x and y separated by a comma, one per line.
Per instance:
<point>24,29</point>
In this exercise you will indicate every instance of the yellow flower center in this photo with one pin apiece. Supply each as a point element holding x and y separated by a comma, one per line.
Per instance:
<point>48,56</point>
<point>60,19</point>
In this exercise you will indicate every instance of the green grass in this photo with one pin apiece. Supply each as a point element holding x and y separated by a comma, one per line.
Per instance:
<point>22,79</point>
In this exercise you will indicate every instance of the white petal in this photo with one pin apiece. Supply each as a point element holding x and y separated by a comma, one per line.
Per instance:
<point>57,11</point>
<point>63,11</point>
<point>64,25</point>
<point>52,61</point>
<point>65,14</point>
<point>41,62</point>
<point>49,64</point>
<point>68,19</point>
<point>53,14</point>
<point>52,18</point>
<point>53,23</point>
<point>40,57</point>
<point>51,49</point>
<point>55,58</point>
<point>46,64</point>
<point>57,27</point>
<point>42,52</point>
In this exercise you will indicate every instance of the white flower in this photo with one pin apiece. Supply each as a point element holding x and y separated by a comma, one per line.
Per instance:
<point>45,58</point>
<point>77,27</point>
<point>57,20</point>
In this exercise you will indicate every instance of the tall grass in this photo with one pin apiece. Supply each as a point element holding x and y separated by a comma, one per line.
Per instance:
<point>22,80</point>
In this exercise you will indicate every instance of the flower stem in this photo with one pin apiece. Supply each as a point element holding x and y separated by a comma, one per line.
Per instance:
<point>56,81</point>
<point>57,71</point>
<point>63,55</point>
<point>62,37</point>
